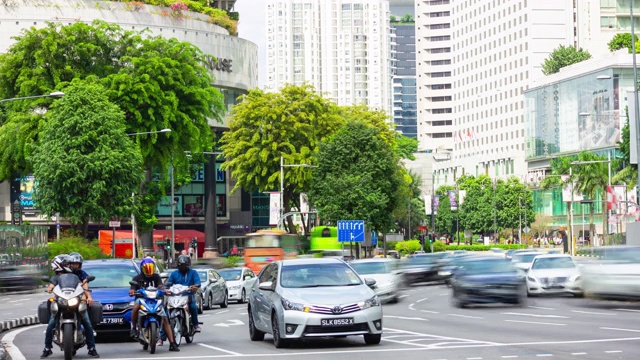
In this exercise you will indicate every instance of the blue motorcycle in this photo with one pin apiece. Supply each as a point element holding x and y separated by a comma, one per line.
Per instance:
<point>149,316</point>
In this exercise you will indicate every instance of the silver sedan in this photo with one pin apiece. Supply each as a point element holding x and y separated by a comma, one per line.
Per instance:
<point>294,299</point>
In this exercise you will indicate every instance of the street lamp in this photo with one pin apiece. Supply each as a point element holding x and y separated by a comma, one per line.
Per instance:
<point>133,222</point>
<point>282,166</point>
<point>53,94</point>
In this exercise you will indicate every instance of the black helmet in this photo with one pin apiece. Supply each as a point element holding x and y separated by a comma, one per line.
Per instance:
<point>184,259</point>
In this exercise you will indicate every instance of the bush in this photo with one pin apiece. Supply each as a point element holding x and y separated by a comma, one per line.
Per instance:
<point>484,247</point>
<point>70,241</point>
<point>407,247</point>
<point>231,261</point>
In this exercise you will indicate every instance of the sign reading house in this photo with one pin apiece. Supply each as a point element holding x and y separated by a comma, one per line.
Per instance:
<point>219,64</point>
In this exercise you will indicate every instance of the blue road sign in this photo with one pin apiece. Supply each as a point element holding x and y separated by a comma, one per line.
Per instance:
<point>350,230</point>
<point>374,238</point>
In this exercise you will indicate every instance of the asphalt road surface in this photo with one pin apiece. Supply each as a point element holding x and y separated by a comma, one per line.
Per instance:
<point>423,325</point>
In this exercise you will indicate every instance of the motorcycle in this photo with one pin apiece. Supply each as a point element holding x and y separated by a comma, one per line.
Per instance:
<point>149,319</point>
<point>178,312</point>
<point>68,307</point>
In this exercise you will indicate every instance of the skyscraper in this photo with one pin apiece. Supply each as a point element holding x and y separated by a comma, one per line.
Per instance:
<point>339,47</point>
<point>403,67</point>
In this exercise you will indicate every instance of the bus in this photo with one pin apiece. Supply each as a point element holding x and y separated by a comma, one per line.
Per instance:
<point>268,245</point>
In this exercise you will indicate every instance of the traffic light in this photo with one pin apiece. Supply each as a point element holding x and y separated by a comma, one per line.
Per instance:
<point>421,237</point>
<point>194,242</point>
<point>432,238</point>
<point>169,246</point>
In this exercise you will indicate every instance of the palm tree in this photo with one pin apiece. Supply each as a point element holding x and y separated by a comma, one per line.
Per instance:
<point>562,176</point>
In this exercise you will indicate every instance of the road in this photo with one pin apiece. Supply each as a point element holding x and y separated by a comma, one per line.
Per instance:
<point>423,325</point>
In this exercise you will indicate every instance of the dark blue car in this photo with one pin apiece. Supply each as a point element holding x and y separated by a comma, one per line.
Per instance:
<point>111,289</point>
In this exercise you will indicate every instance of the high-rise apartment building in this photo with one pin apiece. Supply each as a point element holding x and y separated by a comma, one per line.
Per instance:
<point>340,47</point>
<point>475,59</point>
<point>403,67</point>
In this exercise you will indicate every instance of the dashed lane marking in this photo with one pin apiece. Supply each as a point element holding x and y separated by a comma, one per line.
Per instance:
<point>535,322</point>
<point>618,329</point>
<point>632,310</point>
<point>421,300</point>
<point>544,355</point>
<point>580,353</point>
<point>219,349</point>
<point>613,351</point>
<point>466,316</point>
<point>430,312</point>
<point>593,313</point>
<point>509,356</point>
<point>405,318</point>
<point>541,308</point>
<point>536,315</point>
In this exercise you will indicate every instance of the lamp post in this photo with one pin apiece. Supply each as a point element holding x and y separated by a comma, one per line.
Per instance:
<point>635,93</point>
<point>53,94</point>
<point>133,219</point>
<point>608,161</point>
<point>282,166</point>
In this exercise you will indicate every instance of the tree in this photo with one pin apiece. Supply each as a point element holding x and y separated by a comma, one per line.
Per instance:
<point>158,83</point>
<point>265,126</point>
<point>513,204</point>
<point>406,146</point>
<point>358,177</point>
<point>85,163</point>
<point>541,225</point>
<point>407,18</point>
<point>413,214</point>
<point>563,56</point>
<point>478,204</point>
<point>621,41</point>
<point>445,218</point>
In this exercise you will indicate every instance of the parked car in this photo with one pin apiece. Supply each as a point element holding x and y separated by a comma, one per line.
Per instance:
<point>111,289</point>
<point>213,289</point>
<point>615,275</point>
<point>386,274</point>
<point>553,274</point>
<point>239,282</point>
<point>295,299</point>
<point>487,279</point>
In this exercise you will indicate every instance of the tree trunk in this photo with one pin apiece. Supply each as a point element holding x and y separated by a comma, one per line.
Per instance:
<point>592,227</point>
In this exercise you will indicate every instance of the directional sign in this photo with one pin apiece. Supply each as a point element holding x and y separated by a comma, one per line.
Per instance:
<point>350,230</point>
<point>526,229</point>
<point>374,238</point>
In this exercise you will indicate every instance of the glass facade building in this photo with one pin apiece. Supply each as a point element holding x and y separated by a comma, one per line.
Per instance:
<point>405,101</point>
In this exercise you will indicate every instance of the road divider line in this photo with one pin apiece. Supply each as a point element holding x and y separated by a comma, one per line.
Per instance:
<point>219,349</point>
<point>474,358</point>
<point>632,310</point>
<point>509,356</point>
<point>405,318</point>
<point>421,300</point>
<point>618,329</point>
<point>544,355</point>
<point>541,308</point>
<point>613,351</point>
<point>535,322</point>
<point>466,316</point>
<point>430,312</point>
<point>580,353</point>
<point>14,352</point>
<point>536,315</point>
<point>593,313</point>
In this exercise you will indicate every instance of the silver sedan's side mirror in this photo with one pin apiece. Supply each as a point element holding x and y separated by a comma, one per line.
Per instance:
<point>267,285</point>
<point>369,281</point>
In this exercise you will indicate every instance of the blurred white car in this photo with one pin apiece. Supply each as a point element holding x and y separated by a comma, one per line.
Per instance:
<point>616,274</point>
<point>386,274</point>
<point>553,274</point>
<point>522,260</point>
<point>239,281</point>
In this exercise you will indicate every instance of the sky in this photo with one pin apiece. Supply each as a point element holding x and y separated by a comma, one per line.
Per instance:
<point>252,27</point>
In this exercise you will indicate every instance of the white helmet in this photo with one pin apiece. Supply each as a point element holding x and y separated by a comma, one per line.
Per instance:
<point>60,263</point>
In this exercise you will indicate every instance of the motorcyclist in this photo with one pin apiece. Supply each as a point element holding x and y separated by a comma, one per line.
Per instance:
<point>188,277</point>
<point>75,264</point>
<point>59,265</point>
<point>149,277</point>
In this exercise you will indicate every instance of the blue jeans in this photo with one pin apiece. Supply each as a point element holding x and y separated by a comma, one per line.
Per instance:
<point>193,309</point>
<point>88,332</point>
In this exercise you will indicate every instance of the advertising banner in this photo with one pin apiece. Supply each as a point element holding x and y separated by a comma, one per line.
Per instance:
<point>274,208</point>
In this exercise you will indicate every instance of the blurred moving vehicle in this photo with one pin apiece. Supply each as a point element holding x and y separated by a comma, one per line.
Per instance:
<point>213,290</point>
<point>111,289</point>
<point>448,266</point>
<point>487,279</point>
<point>522,260</point>
<point>295,299</point>
<point>422,268</point>
<point>265,246</point>
<point>553,274</point>
<point>615,275</point>
<point>385,272</point>
<point>19,278</point>
<point>239,282</point>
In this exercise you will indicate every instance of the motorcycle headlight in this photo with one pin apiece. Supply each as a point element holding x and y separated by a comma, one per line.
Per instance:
<point>369,303</point>
<point>73,302</point>
<point>531,278</point>
<point>152,294</point>
<point>287,305</point>
<point>62,302</point>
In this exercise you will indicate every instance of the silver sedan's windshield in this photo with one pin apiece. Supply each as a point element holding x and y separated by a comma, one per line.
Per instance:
<point>553,263</point>
<point>366,268</point>
<point>315,275</point>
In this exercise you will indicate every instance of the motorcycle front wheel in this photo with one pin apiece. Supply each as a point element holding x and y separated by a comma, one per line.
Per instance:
<point>67,337</point>
<point>176,327</point>
<point>153,337</point>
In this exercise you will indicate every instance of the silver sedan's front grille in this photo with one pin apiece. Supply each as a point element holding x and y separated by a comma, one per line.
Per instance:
<point>334,310</point>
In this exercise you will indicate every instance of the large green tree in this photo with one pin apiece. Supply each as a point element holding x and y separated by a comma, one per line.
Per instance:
<point>412,215</point>
<point>358,177</point>
<point>446,218</point>
<point>563,56</point>
<point>158,83</point>
<point>85,163</point>
<point>477,209</point>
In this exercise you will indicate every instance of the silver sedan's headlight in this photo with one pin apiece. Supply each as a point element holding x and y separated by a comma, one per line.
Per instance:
<point>532,279</point>
<point>287,305</point>
<point>369,303</point>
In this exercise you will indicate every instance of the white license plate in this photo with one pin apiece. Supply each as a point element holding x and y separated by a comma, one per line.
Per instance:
<point>112,321</point>
<point>337,322</point>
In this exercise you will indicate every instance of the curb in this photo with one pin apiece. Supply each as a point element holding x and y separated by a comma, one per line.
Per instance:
<point>23,321</point>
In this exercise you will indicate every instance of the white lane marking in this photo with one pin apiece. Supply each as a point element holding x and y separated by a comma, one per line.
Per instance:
<point>403,296</point>
<point>466,316</point>
<point>535,322</point>
<point>244,313</point>
<point>430,312</point>
<point>14,352</point>
<point>440,337</point>
<point>536,315</point>
<point>509,356</point>
<point>421,300</point>
<point>218,349</point>
<point>618,329</point>
<point>474,358</point>
<point>593,313</point>
<point>632,310</point>
<point>580,353</point>
<point>541,308</point>
<point>544,355</point>
<point>19,300</point>
<point>613,351</point>
<point>220,312</point>
<point>405,318</point>
<point>411,307</point>
<point>443,294</point>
